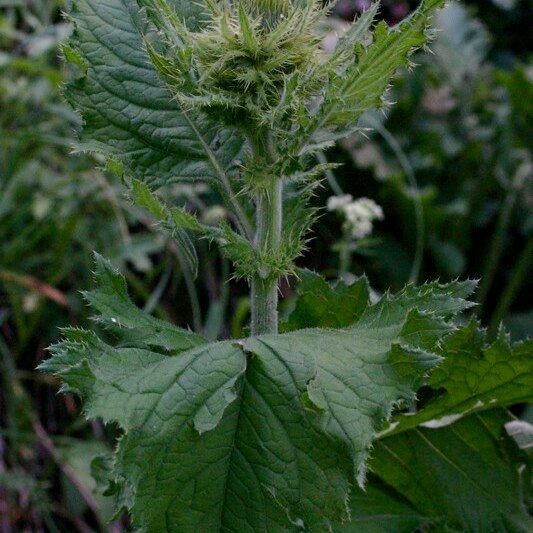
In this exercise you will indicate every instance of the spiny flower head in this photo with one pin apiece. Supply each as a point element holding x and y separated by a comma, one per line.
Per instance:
<point>250,46</point>
<point>244,55</point>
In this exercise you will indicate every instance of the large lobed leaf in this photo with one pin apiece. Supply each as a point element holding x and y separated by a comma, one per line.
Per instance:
<point>451,466</point>
<point>128,112</point>
<point>469,475</point>
<point>260,434</point>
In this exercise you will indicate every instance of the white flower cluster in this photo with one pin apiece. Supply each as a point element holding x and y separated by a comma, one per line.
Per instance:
<point>360,214</point>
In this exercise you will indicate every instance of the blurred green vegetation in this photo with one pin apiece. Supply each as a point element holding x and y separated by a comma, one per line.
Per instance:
<point>450,164</point>
<point>455,146</point>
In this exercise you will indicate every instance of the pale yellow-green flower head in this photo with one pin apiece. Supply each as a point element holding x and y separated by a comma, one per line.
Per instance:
<point>242,59</point>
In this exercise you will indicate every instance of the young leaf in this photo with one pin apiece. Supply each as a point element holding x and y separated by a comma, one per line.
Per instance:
<point>365,79</point>
<point>358,32</point>
<point>266,433</point>
<point>145,198</point>
<point>176,221</point>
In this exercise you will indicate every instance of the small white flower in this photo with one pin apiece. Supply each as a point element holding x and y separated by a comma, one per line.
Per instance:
<point>362,229</point>
<point>363,208</point>
<point>360,216</point>
<point>337,203</point>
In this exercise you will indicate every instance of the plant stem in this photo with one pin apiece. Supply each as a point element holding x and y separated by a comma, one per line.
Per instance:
<point>517,278</point>
<point>345,257</point>
<point>498,241</point>
<point>420,221</point>
<point>264,288</point>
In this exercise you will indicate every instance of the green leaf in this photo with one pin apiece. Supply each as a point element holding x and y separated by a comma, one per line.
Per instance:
<point>358,31</point>
<point>178,222</point>
<point>366,80</point>
<point>184,219</point>
<point>467,476</point>
<point>145,198</point>
<point>379,509</point>
<point>262,434</point>
<point>452,477</point>
<point>117,313</point>
<point>362,84</point>
<point>320,304</point>
<point>474,376</point>
<point>323,305</point>
<point>177,226</point>
<point>128,112</point>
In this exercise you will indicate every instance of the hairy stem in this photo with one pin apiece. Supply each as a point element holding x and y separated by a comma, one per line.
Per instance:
<point>264,288</point>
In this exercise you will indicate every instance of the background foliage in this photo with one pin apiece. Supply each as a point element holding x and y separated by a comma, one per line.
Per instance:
<point>450,165</point>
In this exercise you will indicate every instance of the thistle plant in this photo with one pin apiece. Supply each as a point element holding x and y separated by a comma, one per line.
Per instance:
<point>270,432</point>
<point>258,69</point>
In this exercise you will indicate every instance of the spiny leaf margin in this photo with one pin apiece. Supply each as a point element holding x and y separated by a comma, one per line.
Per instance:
<point>299,409</point>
